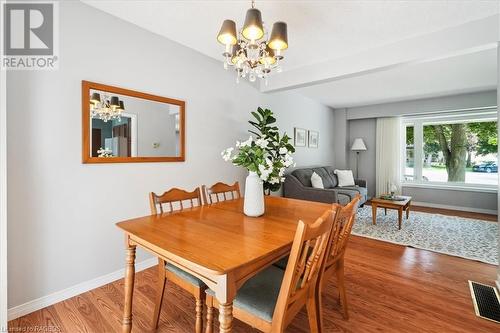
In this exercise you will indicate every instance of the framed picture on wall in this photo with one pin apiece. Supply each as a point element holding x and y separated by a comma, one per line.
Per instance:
<point>313,139</point>
<point>300,137</point>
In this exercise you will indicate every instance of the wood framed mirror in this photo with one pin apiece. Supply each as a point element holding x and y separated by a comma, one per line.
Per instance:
<point>127,126</point>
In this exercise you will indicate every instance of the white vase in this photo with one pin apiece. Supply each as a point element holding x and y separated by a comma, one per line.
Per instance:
<point>254,195</point>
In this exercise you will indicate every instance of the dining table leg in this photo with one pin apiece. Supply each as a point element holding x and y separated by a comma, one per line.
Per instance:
<point>129,286</point>
<point>226,317</point>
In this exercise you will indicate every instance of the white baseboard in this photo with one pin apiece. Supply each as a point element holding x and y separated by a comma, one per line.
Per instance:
<point>465,209</point>
<point>42,302</point>
<point>497,282</point>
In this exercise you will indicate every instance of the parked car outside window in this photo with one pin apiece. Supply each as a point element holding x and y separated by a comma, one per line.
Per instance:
<point>488,167</point>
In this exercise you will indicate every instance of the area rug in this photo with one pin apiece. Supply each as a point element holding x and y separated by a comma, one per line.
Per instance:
<point>452,235</point>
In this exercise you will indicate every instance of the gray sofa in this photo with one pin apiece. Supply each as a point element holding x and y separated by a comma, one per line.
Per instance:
<point>298,185</point>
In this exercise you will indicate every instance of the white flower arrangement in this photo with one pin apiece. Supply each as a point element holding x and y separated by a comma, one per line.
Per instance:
<point>103,152</point>
<point>268,155</point>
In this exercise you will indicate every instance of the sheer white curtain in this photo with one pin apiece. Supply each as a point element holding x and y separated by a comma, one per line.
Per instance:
<point>388,155</point>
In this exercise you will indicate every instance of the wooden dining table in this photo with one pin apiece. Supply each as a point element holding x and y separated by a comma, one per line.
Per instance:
<point>216,243</point>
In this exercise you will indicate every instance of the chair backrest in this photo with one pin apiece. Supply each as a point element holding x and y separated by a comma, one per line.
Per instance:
<point>303,268</point>
<point>220,192</point>
<point>341,230</point>
<point>174,199</point>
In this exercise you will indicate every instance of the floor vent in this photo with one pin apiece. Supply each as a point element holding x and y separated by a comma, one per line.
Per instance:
<point>486,301</point>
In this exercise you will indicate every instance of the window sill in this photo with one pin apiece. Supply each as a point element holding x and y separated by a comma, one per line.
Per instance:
<point>466,188</point>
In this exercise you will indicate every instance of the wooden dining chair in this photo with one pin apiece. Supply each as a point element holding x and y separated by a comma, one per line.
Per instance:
<point>271,299</point>
<point>177,199</point>
<point>334,259</point>
<point>220,192</point>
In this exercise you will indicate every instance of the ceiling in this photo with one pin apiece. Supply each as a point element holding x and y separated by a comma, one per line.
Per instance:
<point>461,74</point>
<point>322,33</point>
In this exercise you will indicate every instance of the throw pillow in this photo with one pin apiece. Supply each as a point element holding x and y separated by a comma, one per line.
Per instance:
<point>345,177</point>
<point>316,181</point>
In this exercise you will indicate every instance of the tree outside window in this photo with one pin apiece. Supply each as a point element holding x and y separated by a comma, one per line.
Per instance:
<point>453,151</point>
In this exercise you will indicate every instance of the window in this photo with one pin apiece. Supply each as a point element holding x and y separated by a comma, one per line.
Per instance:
<point>453,149</point>
<point>409,154</point>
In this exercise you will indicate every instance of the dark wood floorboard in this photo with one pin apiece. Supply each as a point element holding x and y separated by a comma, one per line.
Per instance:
<point>391,288</point>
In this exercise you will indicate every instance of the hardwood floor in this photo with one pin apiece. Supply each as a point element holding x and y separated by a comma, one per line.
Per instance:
<point>472,215</point>
<point>391,288</point>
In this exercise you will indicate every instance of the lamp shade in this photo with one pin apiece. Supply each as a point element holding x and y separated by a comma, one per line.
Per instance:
<point>114,102</point>
<point>269,59</point>
<point>358,145</point>
<point>121,106</point>
<point>227,33</point>
<point>279,36</point>
<point>95,98</point>
<point>253,28</point>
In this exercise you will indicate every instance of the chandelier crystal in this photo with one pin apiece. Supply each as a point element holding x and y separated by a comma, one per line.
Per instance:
<point>107,108</point>
<point>250,51</point>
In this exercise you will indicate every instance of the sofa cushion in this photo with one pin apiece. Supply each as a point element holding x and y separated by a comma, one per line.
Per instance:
<point>345,195</point>
<point>316,181</point>
<point>345,178</point>
<point>304,176</point>
<point>325,177</point>
<point>361,190</point>
<point>331,172</point>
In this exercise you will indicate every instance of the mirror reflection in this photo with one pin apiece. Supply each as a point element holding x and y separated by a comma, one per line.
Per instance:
<point>125,126</point>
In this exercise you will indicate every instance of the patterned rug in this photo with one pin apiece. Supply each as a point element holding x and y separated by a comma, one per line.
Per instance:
<point>456,236</point>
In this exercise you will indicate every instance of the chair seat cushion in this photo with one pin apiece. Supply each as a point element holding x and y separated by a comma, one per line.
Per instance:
<point>259,295</point>
<point>281,264</point>
<point>184,275</point>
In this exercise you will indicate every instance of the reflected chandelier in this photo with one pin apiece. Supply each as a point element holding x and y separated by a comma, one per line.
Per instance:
<point>250,52</point>
<point>107,108</point>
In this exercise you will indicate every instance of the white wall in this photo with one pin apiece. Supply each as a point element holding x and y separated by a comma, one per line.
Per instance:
<point>62,213</point>
<point>3,197</point>
<point>365,129</point>
<point>361,124</point>
<point>341,135</point>
<point>293,110</point>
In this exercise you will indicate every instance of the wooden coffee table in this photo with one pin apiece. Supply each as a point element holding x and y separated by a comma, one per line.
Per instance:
<point>400,206</point>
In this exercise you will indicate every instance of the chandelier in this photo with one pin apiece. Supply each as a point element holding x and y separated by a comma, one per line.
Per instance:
<point>250,51</point>
<point>108,108</point>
